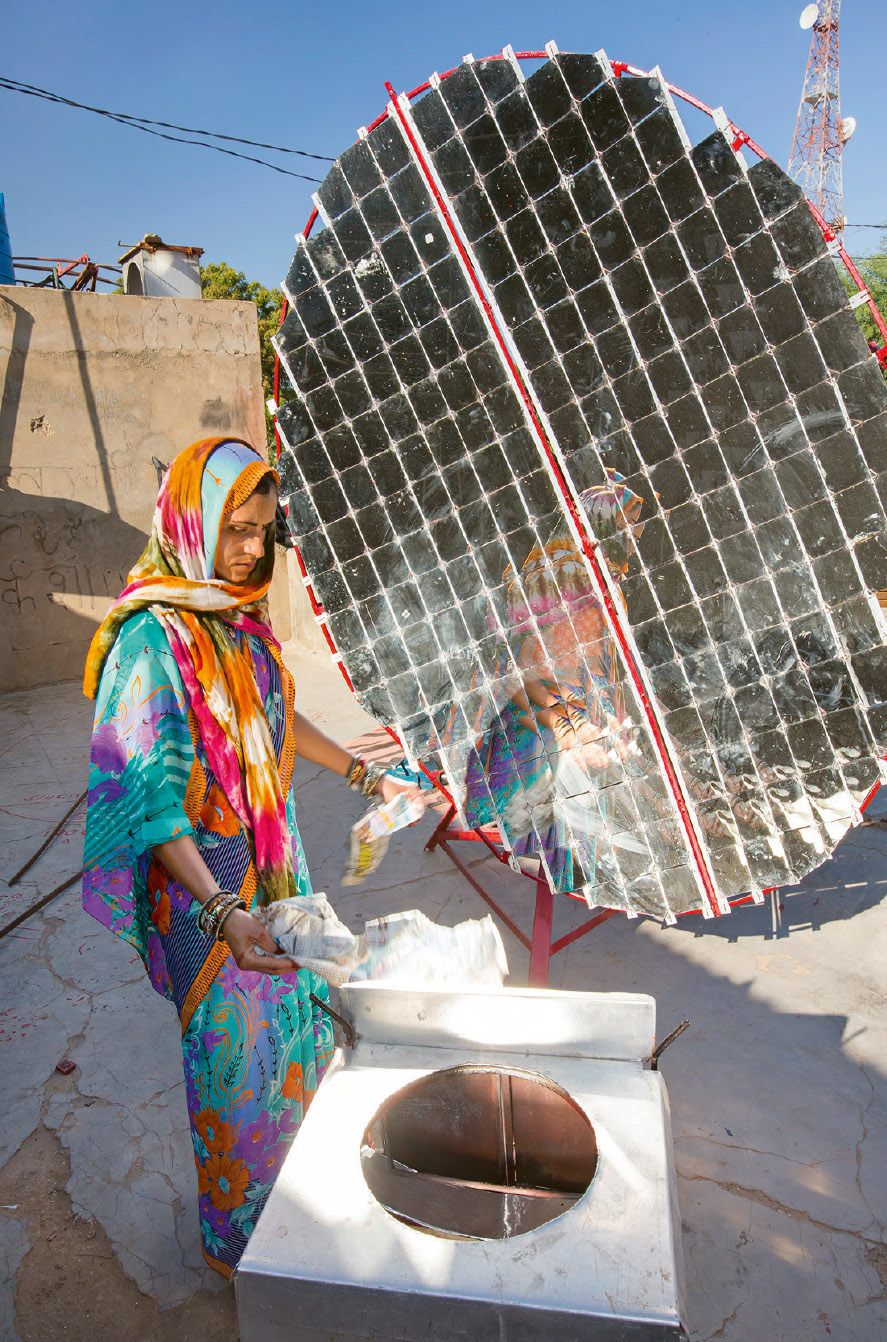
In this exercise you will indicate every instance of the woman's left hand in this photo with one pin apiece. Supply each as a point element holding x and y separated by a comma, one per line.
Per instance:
<point>247,938</point>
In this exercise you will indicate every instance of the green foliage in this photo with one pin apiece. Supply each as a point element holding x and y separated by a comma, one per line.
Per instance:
<point>873,270</point>
<point>219,280</point>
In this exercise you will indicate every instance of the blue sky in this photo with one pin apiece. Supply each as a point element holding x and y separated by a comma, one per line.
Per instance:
<point>308,76</point>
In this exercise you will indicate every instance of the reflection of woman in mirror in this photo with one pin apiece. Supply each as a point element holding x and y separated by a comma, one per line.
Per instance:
<point>539,763</point>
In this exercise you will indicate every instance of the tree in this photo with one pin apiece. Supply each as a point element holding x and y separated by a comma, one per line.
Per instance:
<point>219,280</point>
<point>873,270</point>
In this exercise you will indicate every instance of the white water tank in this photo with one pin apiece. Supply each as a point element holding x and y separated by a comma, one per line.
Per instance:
<point>159,270</point>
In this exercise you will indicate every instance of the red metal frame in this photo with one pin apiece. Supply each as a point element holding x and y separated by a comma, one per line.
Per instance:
<point>539,943</point>
<point>818,140</point>
<point>54,267</point>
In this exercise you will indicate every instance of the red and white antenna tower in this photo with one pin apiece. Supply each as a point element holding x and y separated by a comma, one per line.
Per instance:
<point>820,133</point>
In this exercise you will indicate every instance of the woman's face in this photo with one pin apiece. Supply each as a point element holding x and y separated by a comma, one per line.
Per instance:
<point>242,537</point>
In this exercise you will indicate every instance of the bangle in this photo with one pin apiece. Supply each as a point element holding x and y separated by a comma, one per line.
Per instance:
<point>374,775</point>
<point>219,908</point>
<point>220,913</point>
<point>236,903</point>
<point>206,909</point>
<point>365,777</point>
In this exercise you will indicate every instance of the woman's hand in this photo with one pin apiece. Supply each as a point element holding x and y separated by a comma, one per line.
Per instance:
<point>575,733</point>
<point>244,934</point>
<point>388,788</point>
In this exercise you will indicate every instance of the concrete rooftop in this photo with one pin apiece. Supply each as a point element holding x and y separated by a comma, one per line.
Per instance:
<point>778,1089</point>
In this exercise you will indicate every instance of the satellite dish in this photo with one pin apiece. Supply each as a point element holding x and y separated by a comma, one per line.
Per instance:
<point>848,126</point>
<point>809,16</point>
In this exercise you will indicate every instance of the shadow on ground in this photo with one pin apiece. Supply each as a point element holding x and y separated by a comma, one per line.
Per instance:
<point>778,1092</point>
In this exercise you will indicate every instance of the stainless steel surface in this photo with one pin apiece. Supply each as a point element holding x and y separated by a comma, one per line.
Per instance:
<point>564,1024</point>
<point>301,1312</point>
<point>328,1263</point>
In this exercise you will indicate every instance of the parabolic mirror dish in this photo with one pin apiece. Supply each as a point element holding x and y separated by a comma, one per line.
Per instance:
<point>586,461</point>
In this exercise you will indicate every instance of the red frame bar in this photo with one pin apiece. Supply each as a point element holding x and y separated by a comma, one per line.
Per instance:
<point>539,944</point>
<point>442,838</point>
<point>540,948</point>
<point>70,265</point>
<point>588,545</point>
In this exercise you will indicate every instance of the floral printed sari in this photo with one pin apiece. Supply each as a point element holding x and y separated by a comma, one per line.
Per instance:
<point>254,1045</point>
<point>522,777</point>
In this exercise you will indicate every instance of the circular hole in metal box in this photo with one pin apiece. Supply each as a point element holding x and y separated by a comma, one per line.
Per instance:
<point>477,1152</point>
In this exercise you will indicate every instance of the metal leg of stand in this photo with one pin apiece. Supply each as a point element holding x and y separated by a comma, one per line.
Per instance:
<point>540,949</point>
<point>440,829</point>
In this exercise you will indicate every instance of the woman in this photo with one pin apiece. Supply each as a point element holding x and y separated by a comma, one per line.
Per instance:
<point>538,767</point>
<point>191,821</point>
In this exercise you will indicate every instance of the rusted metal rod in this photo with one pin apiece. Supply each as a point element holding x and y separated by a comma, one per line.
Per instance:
<point>347,1027</point>
<point>654,1057</point>
<point>59,889</point>
<point>43,847</point>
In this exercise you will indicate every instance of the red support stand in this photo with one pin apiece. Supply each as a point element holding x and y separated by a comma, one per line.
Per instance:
<point>539,945</point>
<point>540,950</point>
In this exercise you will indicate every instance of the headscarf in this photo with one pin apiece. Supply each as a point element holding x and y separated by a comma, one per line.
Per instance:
<point>204,484</point>
<point>614,510</point>
<point>554,577</point>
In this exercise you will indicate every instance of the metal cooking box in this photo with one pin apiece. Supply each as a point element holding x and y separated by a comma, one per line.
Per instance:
<point>492,1165</point>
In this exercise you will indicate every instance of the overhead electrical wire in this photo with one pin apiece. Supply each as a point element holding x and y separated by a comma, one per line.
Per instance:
<point>146,124</point>
<point>20,86</point>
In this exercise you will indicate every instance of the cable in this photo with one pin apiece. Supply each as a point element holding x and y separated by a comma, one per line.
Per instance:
<point>143,124</point>
<point>125,121</point>
<point>21,87</point>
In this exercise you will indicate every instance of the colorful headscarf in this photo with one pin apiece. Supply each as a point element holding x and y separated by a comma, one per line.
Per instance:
<point>614,513</point>
<point>554,577</point>
<point>203,485</point>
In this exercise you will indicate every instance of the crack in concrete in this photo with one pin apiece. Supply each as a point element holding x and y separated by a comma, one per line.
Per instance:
<point>864,1134</point>
<point>876,1257</point>
<point>694,1139</point>
<point>774,1205</point>
<point>64,1099</point>
<point>445,905</point>
<point>731,1318</point>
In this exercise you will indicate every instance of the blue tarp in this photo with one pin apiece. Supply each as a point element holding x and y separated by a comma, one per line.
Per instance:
<point>7,274</point>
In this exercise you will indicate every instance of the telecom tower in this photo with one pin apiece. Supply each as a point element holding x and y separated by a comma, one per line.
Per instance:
<point>820,133</point>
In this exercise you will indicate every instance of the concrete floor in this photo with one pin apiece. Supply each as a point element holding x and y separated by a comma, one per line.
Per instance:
<point>778,1089</point>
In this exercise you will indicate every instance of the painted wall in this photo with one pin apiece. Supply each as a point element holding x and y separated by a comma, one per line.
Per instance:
<point>93,387</point>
